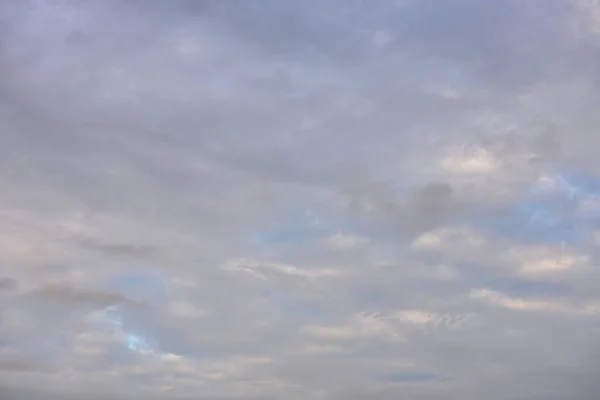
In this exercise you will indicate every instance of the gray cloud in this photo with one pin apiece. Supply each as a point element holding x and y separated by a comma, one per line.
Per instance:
<point>129,250</point>
<point>62,293</point>
<point>18,365</point>
<point>336,199</point>
<point>8,283</point>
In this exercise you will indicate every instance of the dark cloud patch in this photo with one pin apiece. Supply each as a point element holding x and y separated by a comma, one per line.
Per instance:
<point>76,297</point>
<point>426,208</point>
<point>121,250</point>
<point>8,284</point>
<point>20,365</point>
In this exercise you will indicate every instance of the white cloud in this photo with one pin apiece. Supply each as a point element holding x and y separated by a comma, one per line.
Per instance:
<point>263,271</point>
<point>439,239</point>
<point>417,317</point>
<point>548,260</point>
<point>475,161</point>
<point>362,326</point>
<point>393,326</point>
<point>346,241</point>
<point>428,240</point>
<point>553,183</point>
<point>519,304</point>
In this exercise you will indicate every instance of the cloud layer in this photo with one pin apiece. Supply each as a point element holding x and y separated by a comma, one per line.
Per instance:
<point>323,200</point>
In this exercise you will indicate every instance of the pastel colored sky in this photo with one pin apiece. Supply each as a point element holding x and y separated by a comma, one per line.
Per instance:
<point>328,199</point>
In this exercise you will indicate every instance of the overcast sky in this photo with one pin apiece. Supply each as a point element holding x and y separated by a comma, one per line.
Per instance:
<point>286,199</point>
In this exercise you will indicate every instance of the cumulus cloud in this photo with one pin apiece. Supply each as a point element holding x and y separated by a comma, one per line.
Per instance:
<point>300,200</point>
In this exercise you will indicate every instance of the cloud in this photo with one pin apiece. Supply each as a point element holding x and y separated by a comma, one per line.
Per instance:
<point>362,326</point>
<point>71,296</point>
<point>346,241</point>
<point>187,310</point>
<point>479,162</point>
<point>8,284</point>
<point>18,365</point>
<point>122,249</point>
<point>519,304</point>
<point>266,199</point>
<point>542,260</point>
<point>253,267</point>
<point>444,237</point>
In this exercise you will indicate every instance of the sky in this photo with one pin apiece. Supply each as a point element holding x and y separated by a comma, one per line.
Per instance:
<point>332,199</point>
